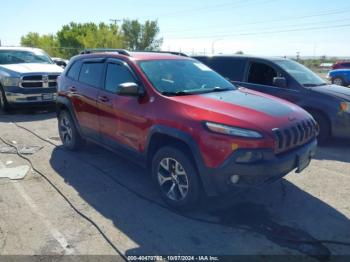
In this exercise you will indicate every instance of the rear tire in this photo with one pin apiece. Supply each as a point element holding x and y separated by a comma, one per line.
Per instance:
<point>68,132</point>
<point>325,129</point>
<point>176,178</point>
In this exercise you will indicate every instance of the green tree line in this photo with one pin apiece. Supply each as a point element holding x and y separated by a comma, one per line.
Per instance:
<point>75,37</point>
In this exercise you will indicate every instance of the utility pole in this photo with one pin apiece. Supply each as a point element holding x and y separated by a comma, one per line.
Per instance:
<point>115,21</point>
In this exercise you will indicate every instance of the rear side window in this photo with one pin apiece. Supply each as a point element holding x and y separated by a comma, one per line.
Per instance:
<point>91,74</point>
<point>74,71</point>
<point>229,67</point>
<point>117,74</point>
<point>261,74</point>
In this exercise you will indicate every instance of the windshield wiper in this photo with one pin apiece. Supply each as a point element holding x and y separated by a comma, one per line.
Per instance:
<point>220,89</point>
<point>313,85</point>
<point>178,93</point>
<point>196,92</point>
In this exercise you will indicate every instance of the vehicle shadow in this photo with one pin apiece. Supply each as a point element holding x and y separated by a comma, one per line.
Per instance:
<point>335,150</point>
<point>277,212</point>
<point>27,114</point>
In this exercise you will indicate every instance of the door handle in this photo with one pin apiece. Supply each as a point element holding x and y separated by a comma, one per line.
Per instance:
<point>103,99</point>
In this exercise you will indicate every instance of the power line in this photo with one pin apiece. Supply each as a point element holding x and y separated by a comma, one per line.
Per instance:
<point>329,22</point>
<point>191,12</point>
<point>324,13</point>
<point>266,32</point>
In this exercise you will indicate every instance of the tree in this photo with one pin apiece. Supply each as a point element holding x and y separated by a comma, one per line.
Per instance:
<point>240,53</point>
<point>75,37</point>
<point>46,42</point>
<point>139,36</point>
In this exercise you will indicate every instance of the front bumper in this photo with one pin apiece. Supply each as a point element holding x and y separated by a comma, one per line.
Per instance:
<point>265,171</point>
<point>30,96</point>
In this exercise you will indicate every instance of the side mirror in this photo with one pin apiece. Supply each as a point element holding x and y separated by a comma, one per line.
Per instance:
<point>130,89</point>
<point>280,82</point>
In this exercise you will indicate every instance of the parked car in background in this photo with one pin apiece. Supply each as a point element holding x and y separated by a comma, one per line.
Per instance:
<point>340,77</point>
<point>195,130</point>
<point>28,77</point>
<point>341,65</point>
<point>287,79</point>
<point>60,61</point>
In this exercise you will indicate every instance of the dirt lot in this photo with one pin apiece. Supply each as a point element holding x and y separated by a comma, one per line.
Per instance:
<point>120,199</point>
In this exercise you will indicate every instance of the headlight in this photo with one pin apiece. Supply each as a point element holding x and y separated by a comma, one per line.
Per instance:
<point>233,131</point>
<point>10,81</point>
<point>345,107</point>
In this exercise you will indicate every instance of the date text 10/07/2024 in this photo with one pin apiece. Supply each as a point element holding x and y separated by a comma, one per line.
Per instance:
<point>173,258</point>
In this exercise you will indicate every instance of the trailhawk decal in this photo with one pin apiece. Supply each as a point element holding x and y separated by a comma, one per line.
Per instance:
<point>252,101</point>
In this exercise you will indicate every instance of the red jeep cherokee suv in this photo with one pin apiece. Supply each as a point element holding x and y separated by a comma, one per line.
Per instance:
<point>194,129</point>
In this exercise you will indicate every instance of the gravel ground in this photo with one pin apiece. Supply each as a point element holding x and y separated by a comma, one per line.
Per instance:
<point>121,200</point>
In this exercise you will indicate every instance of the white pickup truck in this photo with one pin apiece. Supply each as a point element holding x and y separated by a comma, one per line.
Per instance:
<point>28,77</point>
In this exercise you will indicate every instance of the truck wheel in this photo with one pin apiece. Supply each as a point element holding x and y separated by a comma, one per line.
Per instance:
<point>325,129</point>
<point>176,178</point>
<point>338,81</point>
<point>68,132</point>
<point>4,107</point>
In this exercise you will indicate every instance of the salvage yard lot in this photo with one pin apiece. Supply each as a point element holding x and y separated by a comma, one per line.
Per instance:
<point>120,198</point>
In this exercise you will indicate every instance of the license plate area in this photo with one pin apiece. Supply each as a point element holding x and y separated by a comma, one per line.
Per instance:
<point>46,97</point>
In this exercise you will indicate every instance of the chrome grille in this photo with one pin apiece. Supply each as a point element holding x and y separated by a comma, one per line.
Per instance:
<point>295,135</point>
<point>37,81</point>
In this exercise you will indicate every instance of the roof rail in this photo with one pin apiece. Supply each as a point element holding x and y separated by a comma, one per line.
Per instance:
<point>173,53</point>
<point>165,52</point>
<point>102,50</point>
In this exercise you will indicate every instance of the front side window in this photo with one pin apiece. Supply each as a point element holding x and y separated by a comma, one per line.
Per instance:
<point>91,74</point>
<point>117,74</point>
<point>74,71</point>
<point>301,74</point>
<point>261,74</point>
<point>181,77</point>
<point>8,57</point>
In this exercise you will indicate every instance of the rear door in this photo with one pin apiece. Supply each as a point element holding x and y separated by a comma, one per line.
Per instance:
<point>259,77</point>
<point>232,68</point>
<point>84,93</point>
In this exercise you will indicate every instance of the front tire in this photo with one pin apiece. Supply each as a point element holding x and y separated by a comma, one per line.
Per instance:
<point>338,81</point>
<point>176,178</point>
<point>68,132</point>
<point>325,129</point>
<point>4,106</point>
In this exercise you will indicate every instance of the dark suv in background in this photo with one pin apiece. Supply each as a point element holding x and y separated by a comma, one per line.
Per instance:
<point>194,129</point>
<point>287,79</point>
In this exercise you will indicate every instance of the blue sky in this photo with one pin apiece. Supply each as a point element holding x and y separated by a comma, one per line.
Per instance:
<point>263,27</point>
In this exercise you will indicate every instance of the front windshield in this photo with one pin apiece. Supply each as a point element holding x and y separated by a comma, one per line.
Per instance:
<point>8,57</point>
<point>181,77</point>
<point>301,73</point>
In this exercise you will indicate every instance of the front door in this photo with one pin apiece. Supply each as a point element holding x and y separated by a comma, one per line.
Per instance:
<point>122,118</point>
<point>260,78</point>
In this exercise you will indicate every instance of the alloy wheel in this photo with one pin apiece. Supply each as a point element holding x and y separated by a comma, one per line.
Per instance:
<point>338,82</point>
<point>66,130</point>
<point>173,179</point>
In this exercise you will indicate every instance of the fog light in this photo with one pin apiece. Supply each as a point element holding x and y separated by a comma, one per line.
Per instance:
<point>234,179</point>
<point>249,157</point>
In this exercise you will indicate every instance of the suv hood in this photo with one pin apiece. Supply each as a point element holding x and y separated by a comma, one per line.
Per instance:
<point>31,68</point>
<point>333,90</point>
<point>243,108</point>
